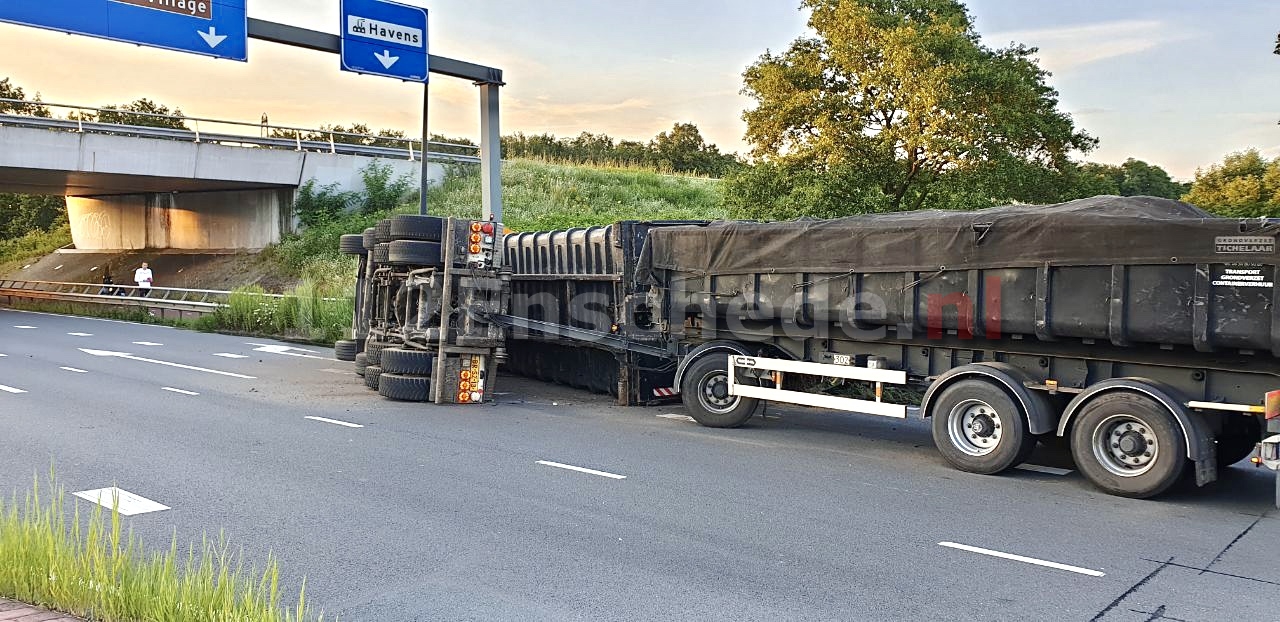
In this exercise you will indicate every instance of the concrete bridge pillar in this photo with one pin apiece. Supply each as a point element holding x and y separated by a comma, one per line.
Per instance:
<point>241,219</point>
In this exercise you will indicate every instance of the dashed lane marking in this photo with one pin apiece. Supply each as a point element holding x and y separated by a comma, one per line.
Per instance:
<point>228,355</point>
<point>1044,469</point>
<point>26,327</point>
<point>127,503</point>
<point>81,334</point>
<point>3,355</point>
<point>579,469</point>
<point>184,392</point>
<point>335,422</point>
<point>147,343</point>
<point>1025,560</point>
<point>344,372</point>
<point>10,389</point>
<point>73,370</point>
<point>126,355</point>
<point>675,417</point>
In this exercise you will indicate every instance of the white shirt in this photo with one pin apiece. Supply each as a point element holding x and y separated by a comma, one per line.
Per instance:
<point>142,276</point>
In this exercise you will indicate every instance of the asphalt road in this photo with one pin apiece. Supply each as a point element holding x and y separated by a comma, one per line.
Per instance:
<point>429,513</point>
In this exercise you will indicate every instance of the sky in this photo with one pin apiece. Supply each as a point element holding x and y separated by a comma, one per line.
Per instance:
<point>1177,83</point>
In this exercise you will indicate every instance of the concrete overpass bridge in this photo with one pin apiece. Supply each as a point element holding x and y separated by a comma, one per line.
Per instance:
<point>133,187</point>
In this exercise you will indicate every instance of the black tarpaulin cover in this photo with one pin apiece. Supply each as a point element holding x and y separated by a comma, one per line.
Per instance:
<point>1094,231</point>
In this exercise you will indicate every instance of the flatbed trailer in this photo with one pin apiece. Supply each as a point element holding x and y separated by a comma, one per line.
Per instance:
<point>1141,332</point>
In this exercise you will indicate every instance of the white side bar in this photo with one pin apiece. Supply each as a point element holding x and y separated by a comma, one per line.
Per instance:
<point>1238,408</point>
<point>890,376</point>
<point>821,401</point>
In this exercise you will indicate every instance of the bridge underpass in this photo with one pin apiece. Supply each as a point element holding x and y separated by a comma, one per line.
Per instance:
<point>132,187</point>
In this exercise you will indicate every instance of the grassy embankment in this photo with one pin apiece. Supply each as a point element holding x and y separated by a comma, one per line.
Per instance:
<point>31,246</point>
<point>96,569</point>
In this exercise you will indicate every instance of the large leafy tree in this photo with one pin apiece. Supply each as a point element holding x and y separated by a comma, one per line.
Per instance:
<point>1133,178</point>
<point>11,91</point>
<point>897,104</point>
<point>1244,184</point>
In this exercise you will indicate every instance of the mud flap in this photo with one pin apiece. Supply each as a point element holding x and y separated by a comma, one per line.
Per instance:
<point>1206,452</point>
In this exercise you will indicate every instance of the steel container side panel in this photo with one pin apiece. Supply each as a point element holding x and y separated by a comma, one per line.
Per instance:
<point>1078,301</point>
<point>1008,300</point>
<point>1241,314</point>
<point>1158,304</point>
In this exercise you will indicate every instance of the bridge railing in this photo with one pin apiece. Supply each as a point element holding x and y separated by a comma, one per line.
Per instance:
<point>87,119</point>
<point>178,301</point>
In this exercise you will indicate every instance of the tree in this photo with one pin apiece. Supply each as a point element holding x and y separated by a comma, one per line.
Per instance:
<point>901,99</point>
<point>683,150</point>
<point>141,112</point>
<point>9,90</point>
<point>1131,179</point>
<point>1244,185</point>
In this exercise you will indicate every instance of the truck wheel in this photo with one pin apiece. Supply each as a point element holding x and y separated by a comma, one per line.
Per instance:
<point>373,351</point>
<point>407,362</point>
<point>379,253</point>
<point>414,253</point>
<point>705,392</point>
<point>1236,442</point>
<point>371,375</point>
<point>978,428</point>
<point>370,239</point>
<point>404,388</point>
<point>351,244</point>
<point>382,231</point>
<point>345,350</point>
<point>1128,445</point>
<point>413,227</point>
<point>362,361</point>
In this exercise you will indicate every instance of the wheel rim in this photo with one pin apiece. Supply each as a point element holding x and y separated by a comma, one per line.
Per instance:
<point>713,393</point>
<point>1125,445</point>
<point>975,427</point>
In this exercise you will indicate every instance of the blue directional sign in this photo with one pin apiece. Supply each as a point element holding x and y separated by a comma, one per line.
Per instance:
<point>216,28</point>
<point>384,39</point>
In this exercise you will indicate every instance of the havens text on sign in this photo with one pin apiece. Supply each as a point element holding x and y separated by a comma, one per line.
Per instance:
<point>384,38</point>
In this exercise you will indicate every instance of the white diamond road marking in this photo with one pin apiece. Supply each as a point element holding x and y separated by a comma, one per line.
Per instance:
<point>10,389</point>
<point>182,391</point>
<point>81,334</point>
<point>1020,558</point>
<point>227,355</point>
<point>675,417</point>
<point>581,469</point>
<point>25,327</point>
<point>127,503</point>
<point>147,343</point>
<point>73,370</point>
<point>1043,469</point>
<point>335,422</point>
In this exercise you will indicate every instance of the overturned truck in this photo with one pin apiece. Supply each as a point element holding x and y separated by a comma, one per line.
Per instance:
<point>1144,333</point>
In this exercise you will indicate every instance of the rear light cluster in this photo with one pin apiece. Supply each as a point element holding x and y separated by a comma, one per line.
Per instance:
<point>1272,407</point>
<point>470,383</point>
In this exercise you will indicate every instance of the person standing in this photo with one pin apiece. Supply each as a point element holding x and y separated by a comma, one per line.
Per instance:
<point>142,276</point>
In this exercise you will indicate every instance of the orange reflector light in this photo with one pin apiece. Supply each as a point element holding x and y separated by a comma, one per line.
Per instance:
<point>487,227</point>
<point>1272,408</point>
<point>464,386</point>
<point>463,398</point>
<point>475,237</point>
<point>475,249</point>
<point>475,227</point>
<point>465,374</point>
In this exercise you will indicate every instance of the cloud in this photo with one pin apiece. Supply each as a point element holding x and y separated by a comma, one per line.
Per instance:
<point>1065,48</point>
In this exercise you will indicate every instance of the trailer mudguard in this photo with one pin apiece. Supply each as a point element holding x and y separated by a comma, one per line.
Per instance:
<point>1039,410</point>
<point>711,346</point>
<point>1200,444</point>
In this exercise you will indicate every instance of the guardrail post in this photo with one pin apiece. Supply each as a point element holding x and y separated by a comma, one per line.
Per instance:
<point>332,148</point>
<point>197,124</point>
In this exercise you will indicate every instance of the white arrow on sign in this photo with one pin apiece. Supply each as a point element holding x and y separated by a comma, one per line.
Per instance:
<point>212,37</point>
<point>126,355</point>
<point>286,350</point>
<point>386,59</point>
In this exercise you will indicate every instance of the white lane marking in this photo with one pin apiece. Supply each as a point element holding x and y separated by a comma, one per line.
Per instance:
<point>74,370</point>
<point>344,372</point>
<point>335,422</point>
<point>3,355</point>
<point>81,334</point>
<point>1020,558</point>
<point>228,355</point>
<point>675,417</point>
<point>285,350</point>
<point>581,469</point>
<point>10,389</point>
<point>25,327</point>
<point>127,503</point>
<point>147,343</point>
<point>91,319</point>
<point>1043,469</point>
<point>126,355</point>
<point>179,391</point>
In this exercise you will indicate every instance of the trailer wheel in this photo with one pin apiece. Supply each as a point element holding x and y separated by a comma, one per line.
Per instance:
<point>407,362</point>
<point>1128,445</point>
<point>345,349</point>
<point>372,374</point>
<point>978,428</point>
<point>370,239</point>
<point>362,361</point>
<point>414,253</point>
<point>404,388</point>
<point>413,227</point>
<point>705,393</point>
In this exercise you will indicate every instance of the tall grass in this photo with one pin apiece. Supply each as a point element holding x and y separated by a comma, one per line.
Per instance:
<point>33,244</point>
<point>101,572</point>
<point>312,311</point>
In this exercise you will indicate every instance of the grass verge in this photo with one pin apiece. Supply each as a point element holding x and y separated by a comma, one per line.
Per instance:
<point>99,571</point>
<point>34,244</point>
<point>314,312</point>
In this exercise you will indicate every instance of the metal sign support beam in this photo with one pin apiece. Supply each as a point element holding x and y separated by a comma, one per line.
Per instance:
<point>489,79</point>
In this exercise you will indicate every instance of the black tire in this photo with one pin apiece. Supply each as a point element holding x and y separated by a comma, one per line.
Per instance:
<point>351,244</point>
<point>704,391</point>
<point>978,428</point>
<point>382,231</point>
<point>414,253</point>
<point>379,253</point>
<point>370,239</point>
<point>373,351</point>
<point>345,350</point>
<point>1128,445</point>
<point>412,227</point>
<point>407,362</point>
<point>405,388</point>
<point>362,362</point>
<point>1240,434</point>
<point>371,375</point>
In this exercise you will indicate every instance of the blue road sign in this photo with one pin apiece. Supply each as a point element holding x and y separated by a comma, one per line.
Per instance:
<point>384,39</point>
<point>216,28</point>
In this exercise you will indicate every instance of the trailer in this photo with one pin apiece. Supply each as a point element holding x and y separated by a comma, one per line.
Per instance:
<point>1143,333</point>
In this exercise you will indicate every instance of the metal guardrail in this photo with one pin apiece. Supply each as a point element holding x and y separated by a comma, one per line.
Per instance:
<point>179,301</point>
<point>335,143</point>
